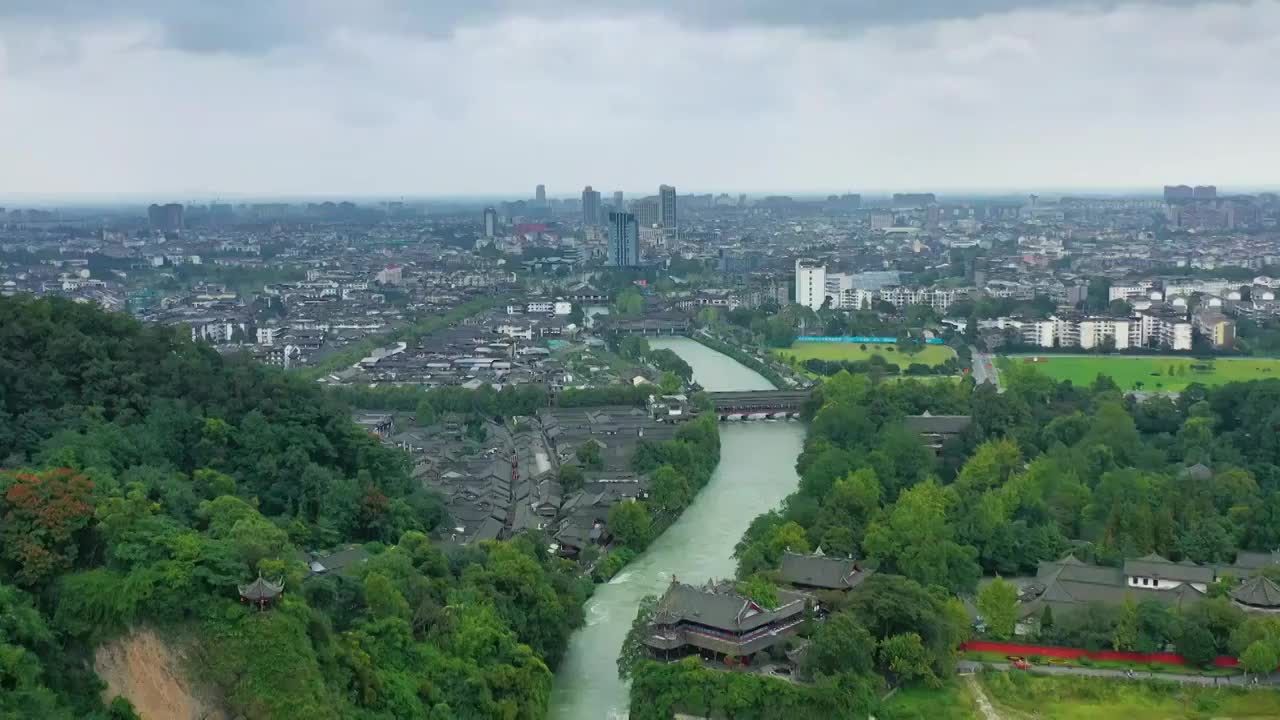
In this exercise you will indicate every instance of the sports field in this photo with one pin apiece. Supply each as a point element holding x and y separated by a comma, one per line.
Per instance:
<point>928,355</point>
<point>1154,373</point>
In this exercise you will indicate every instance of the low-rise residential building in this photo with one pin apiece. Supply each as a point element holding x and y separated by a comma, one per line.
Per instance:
<point>1217,329</point>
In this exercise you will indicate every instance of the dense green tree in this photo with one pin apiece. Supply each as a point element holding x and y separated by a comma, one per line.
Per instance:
<point>630,524</point>
<point>628,302</point>
<point>840,644</point>
<point>916,540</point>
<point>1195,642</point>
<point>998,603</point>
<point>668,489</point>
<point>425,414</point>
<point>907,658</point>
<point>570,477</point>
<point>1260,658</point>
<point>589,455</point>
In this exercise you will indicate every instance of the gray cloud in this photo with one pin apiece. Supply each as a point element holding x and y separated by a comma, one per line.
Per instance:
<point>258,26</point>
<point>317,98</point>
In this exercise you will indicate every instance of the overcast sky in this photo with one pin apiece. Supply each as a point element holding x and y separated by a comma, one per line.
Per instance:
<point>187,99</point>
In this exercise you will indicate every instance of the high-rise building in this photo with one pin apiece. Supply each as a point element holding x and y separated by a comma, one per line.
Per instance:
<point>540,196</point>
<point>1204,192</point>
<point>667,210</point>
<point>624,239</point>
<point>811,283</point>
<point>646,211</point>
<point>166,218</point>
<point>617,201</point>
<point>490,222</point>
<point>590,206</point>
<point>1178,193</point>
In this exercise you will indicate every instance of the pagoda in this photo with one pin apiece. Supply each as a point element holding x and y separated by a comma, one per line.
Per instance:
<point>261,592</point>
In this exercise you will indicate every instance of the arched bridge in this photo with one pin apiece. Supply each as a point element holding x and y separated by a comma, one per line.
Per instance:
<point>758,404</point>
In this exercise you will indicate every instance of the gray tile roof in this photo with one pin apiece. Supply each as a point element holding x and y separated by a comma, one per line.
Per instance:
<point>833,573</point>
<point>1154,566</point>
<point>1258,592</point>
<point>721,607</point>
<point>1070,583</point>
<point>937,424</point>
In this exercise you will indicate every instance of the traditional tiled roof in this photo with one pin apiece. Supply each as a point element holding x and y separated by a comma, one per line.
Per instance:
<point>937,424</point>
<point>822,572</point>
<point>1258,592</point>
<point>261,589</point>
<point>1154,566</point>
<point>721,607</point>
<point>1198,471</point>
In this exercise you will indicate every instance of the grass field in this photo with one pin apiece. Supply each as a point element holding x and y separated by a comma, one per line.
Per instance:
<point>1020,695</point>
<point>949,702</point>
<point>801,351</point>
<point>1155,373</point>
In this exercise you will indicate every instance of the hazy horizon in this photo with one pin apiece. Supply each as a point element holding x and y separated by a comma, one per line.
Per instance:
<point>110,200</point>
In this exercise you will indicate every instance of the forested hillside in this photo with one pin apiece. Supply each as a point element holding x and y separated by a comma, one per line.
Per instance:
<point>143,477</point>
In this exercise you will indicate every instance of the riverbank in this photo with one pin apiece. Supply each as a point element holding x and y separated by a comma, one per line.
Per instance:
<point>744,358</point>
<point>756,471</point>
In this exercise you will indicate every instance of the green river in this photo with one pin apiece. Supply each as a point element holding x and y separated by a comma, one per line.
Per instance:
<point>756,471</point>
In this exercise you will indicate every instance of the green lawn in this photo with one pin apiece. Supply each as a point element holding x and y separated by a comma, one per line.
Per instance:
<point>801,351</point>
<point>1155,373</point>
<point>1021,695</point>
<point>949,702</point>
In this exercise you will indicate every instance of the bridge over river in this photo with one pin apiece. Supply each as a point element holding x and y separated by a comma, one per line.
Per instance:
<point>759,404</point>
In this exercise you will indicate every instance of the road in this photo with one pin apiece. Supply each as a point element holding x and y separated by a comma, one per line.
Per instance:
<point>1232,680</point>
<point>984,368</point>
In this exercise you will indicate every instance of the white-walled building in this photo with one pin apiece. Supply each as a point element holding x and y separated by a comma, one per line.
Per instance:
<point>811,283</point>
<point>1144,330</point>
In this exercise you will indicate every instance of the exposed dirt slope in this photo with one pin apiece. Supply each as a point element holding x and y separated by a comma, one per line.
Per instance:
<point>150,673</point>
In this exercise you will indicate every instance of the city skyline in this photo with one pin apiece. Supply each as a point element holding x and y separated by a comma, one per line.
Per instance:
<point>262,99</point>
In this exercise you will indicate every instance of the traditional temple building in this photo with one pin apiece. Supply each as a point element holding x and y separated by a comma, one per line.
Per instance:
<point>935,430</point>
<point>261,592</point>
<point>1069,584</point>
<point>717,621</point>
<point>822,572</point>
<point>1257,594</point>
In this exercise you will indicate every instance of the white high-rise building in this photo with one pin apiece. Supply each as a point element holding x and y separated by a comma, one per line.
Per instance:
<point>811,283</point>
<point>490,222</point>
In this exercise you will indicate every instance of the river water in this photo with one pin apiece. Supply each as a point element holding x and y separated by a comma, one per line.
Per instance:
<point>756,471</point>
